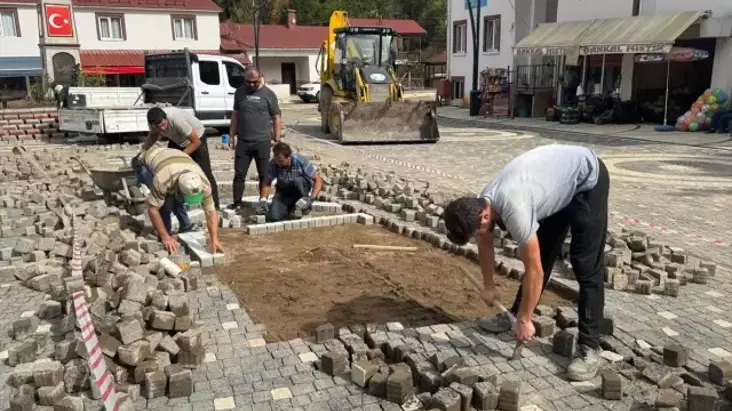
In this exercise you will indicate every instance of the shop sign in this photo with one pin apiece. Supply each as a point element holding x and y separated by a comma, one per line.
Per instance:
<point>626,49</point>
<point>539,51</point>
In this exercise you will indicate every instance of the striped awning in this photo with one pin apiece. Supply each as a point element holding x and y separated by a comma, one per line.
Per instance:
<point>639,34</point>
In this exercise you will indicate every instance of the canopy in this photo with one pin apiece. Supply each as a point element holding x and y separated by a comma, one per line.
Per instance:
<point>20,66</point>
<point>639,34</point>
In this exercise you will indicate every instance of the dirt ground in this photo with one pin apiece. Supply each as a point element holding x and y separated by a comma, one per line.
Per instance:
<point>294,281</point>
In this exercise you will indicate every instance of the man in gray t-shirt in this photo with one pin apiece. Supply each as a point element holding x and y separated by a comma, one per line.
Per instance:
<point>184,132</point>
<point>537,198</point>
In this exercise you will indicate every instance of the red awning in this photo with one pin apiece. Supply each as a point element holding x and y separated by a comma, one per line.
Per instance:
<point>110,62</point>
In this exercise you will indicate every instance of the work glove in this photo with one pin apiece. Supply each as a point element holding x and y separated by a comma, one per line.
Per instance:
<point>305,204</point>
<point>262,208</point>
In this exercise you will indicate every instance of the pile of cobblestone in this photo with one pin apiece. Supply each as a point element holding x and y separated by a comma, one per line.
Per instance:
<point>136,292</point>
<point>25,125</point>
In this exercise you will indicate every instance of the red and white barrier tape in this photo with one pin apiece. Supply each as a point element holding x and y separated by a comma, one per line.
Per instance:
<point>102,378</point>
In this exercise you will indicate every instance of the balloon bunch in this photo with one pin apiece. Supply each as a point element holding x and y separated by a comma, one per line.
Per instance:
<point>700,115</point>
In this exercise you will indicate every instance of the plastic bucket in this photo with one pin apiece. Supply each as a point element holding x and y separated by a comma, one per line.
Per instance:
<point>224,139</point>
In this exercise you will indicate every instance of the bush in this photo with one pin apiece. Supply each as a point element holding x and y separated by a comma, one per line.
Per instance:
<point>39,89</point>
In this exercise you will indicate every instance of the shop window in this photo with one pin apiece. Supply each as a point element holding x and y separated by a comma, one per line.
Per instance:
<point>9,24</point>
<point>492,34</point>
<point>460,37</point>
<point>184,27</point>
<point>458,88</point>
<point>111,27</point>
<point>209,72</point>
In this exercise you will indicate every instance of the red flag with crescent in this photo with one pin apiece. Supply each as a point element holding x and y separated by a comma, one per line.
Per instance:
<point>58,20</point>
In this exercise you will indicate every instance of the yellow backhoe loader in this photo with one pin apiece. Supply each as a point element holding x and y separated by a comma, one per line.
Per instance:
<point>361,100</point>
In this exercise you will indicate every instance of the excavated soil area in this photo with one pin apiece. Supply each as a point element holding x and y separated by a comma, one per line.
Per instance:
<point>294,281</point>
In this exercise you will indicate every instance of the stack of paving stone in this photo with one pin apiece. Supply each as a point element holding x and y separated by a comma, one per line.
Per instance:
<point>136,293</point>
<point>27,125</point>
<point>390,362</point>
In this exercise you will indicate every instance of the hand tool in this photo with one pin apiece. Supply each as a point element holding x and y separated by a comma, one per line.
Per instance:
<point>501,309</point>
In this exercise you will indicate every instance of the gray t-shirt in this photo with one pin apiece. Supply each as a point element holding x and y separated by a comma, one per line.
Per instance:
<point>255,113</point>
<point>182,125</point>
<point>538,184</point>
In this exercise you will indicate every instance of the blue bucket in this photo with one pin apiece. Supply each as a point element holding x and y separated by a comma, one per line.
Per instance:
<point>224,139</point>
<point>523,112</point>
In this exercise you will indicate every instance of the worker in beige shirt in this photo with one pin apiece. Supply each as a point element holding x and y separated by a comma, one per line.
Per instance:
<point>176,180</point>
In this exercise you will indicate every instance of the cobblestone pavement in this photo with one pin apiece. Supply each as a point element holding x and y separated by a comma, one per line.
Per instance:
<point>679,193</point>
<point>663,185</point>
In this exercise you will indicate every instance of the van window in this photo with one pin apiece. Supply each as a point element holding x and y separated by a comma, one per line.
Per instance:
<point>209,72</point>
<point>235,73</point>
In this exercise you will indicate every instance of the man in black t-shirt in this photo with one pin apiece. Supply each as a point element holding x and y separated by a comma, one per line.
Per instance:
<point>254,122</point>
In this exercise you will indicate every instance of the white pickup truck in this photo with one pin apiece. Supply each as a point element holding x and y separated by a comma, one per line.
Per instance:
<point>202,83</point>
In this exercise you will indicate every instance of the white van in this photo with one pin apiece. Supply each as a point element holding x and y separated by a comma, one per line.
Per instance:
<point>204,84</point>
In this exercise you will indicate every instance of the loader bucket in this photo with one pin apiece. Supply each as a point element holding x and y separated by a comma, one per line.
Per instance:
<point>389,122</point>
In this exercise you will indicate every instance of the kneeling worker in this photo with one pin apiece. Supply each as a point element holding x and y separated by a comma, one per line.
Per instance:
<point>296,176</point>
<point>538,197</point>
<point>184,132</point>
<point>177,177</point>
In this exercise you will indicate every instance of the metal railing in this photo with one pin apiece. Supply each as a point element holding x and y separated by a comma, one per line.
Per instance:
<point>535,77</point>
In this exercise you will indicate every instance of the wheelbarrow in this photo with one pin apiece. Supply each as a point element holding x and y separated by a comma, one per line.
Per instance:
<point>118,185</point>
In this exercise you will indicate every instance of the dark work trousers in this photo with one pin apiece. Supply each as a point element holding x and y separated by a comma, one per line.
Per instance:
<point>586,216</point>
<point>203,159</point>
<point>247,151</point>
<point>286,195</point>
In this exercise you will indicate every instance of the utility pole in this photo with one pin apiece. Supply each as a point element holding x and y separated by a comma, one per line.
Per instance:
<point>475,28</point>
<point>255,8</point>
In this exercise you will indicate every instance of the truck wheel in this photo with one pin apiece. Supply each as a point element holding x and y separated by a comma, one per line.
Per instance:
<point>324,101</point>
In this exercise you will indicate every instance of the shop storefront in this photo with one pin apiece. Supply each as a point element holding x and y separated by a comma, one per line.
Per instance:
<point>16,76</point>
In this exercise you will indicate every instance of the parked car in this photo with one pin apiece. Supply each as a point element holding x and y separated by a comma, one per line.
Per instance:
<point>309,93</point>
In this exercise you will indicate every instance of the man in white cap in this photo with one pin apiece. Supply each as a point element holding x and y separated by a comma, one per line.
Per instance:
<point>177,180</point>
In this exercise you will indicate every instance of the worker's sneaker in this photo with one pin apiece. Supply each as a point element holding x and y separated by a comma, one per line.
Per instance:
<point>584,365</point>
<point>261,208</point>
<point>187,229</point>
<point>498,324</point>
<point>234,206</point>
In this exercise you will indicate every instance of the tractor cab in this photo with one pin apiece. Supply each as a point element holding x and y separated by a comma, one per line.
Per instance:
<point>364,55</point>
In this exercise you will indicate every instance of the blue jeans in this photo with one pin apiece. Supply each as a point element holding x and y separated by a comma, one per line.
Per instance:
<point>171,204</point>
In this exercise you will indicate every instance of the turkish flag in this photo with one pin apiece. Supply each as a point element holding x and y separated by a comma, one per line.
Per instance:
<point>58,20</point>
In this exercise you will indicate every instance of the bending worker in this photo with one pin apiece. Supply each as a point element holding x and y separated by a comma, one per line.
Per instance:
<point>296,176</point>
<point>184,132</point>
<point>538,197</point>
<point>176,178</point>
<point>254,123</point>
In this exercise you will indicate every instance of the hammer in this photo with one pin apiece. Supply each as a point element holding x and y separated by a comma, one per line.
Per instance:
<point>501,309</point>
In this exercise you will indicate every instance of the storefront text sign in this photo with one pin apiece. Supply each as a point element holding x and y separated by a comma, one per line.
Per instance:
<point>623,49</point>
<point>539,51</point>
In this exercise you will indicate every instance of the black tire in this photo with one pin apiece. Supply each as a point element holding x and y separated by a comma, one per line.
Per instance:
<point>317,96</point>
<point>324,102</point>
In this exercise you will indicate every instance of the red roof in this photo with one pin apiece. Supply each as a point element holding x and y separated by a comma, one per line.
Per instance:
<point>199,5</point>
<point>403,27</point>
<point>241,36</point>
<point>101,60</point>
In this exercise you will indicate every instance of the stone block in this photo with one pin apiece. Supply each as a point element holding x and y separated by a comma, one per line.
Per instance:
<point>701,399</point>
<point>22,374</point>
<point>168,345</point>
<point>49,309</point>
<point>130,331</point>
<point>163,320</point>
<point>189,340</point>
<point>700,276</point>
<point>612,386</point>
<point>564,342</point>
<point>362,371</point>
<point>567,317</point>
<point>324,333</point>
<point>48,373</point>
<point>446,399</point>
<point>192,358</point>
<point>644,287</point>
<point>180,381</point>
<point>377,385</point>
<point>22,403</point>
<point>178,304</point>
<point>183,323</point>
<point>710,267</point>
<point>50,396</point>
<point>132,354</point>
<point>671,287</point>
<point>399,387</point>
<point>24,352</point>
<point>334,362</point>
<point>156,384</point>
<point>429,380</point>
<point>77,375</point>
<point>544,326</point>
<point>143,368</point>
<point>674,355</point>
<point>509,398</point>
<point>668,398</point>
<point>485,396</point>
<point>466,395</point>
<point>135,290</point>
<point>720,371</point>
<point>70,403</point>
<point>24,327</point>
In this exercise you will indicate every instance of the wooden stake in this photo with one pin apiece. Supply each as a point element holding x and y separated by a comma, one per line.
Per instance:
<point>384,247</point>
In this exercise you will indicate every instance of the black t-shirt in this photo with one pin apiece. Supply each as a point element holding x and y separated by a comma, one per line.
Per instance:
<point>255,113</point>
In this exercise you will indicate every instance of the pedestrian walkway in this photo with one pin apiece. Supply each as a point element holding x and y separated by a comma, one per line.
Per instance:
<point>637,132</point>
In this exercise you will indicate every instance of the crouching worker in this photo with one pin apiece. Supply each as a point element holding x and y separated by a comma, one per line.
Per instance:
<point>176,180</point>
<point>296,177</point>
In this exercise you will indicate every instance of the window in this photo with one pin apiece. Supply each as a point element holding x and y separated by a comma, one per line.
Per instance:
<point>458,88</point>
<point>9,24</point>
<point>492,33</point>
<point>209,72</point>
<point>460,37</point>
<point>235,73</point>
<point>111,27</point>
<point>184,27</point>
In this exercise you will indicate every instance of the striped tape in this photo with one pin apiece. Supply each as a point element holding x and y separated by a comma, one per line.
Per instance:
<point>102,378</point>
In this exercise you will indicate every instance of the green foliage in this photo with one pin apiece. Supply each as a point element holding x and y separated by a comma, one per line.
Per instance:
<point>39,88</point>
<point>81,79</point>
<point>430,14</point>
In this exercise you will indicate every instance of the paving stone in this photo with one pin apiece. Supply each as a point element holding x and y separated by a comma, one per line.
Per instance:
<point>446,399</point>
<point>130,331</point>
<point>720,371</point>
<point>50,396</point>
<point>509,398</point>
<point>362,371</point>
<point>180,381</point>
<point>226,403</point>
<point>334,363</point>
<point>675,355</point>
<point>485,396</point>
<point>701,399</point>
<point>48,373</point>
<point>668,398</point>
<point>399,387</point>
<point>564,342</point>
<point>324,333</point>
